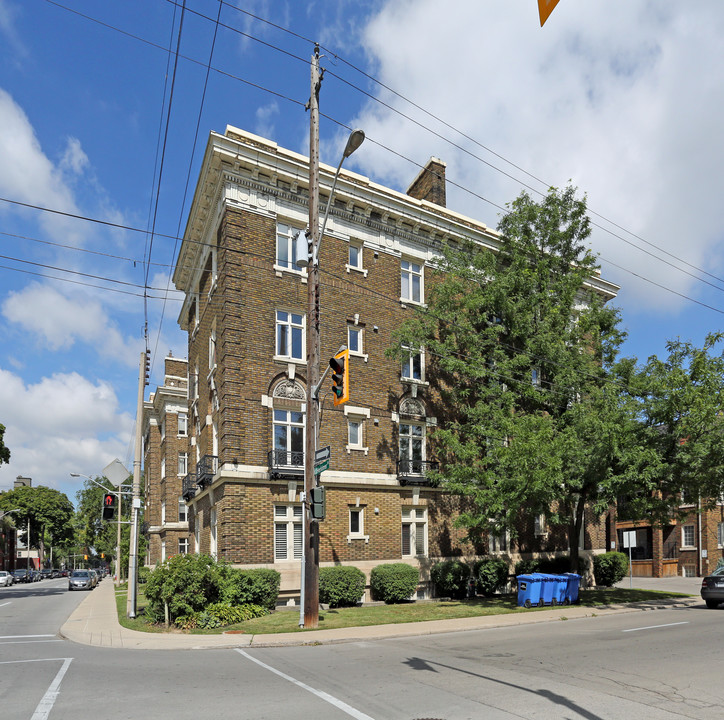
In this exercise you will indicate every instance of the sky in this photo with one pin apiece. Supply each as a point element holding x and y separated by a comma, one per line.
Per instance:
<point>105,110</point>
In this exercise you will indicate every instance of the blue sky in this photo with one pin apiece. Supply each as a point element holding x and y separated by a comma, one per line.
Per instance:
<point>621,97</point>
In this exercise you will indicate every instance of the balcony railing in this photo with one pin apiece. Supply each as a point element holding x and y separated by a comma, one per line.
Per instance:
<point>206,468</point>
<point>189,487</point>
<point>286,463</point>
<point>415,472</point>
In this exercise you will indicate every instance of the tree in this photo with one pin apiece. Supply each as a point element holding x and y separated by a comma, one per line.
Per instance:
<point>46,512</point>
<point>520,352</point>
<point>680,404</point>
<point>4,452</point>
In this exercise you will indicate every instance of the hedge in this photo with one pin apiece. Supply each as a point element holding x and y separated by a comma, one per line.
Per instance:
<point>394,582</point>
<point>258,586</point>
<point>609,568</point>
<point>491,574</point>
<point>341,585</point>
<point>450,578</point>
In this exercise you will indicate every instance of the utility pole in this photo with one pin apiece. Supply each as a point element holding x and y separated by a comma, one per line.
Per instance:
<point>131,605</point>
<point>311,527</point>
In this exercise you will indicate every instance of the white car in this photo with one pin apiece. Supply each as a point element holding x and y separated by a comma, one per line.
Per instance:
<point>6,579</point>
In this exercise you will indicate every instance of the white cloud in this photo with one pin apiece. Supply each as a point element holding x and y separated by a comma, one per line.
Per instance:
<point>27,174</point>
<point>62,424</point>
<point>60,321</point>
<point>624,102</point>
<point>74,158</point>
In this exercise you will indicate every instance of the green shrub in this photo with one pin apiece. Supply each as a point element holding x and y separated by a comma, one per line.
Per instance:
<point>259,586</point>
<point>143,574</point>
<point>609,568</point>
<point>556,566</point>
<point>720,563</point>
<point>219,615</point>
<point>450,578</point>
<point>491,574</point>
<point>341,585</point>
<point>394,582</point>
<point>186,583</point>
<point>526,567</point>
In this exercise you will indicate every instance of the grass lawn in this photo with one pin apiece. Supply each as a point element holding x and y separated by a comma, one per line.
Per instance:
<point>285,621</point>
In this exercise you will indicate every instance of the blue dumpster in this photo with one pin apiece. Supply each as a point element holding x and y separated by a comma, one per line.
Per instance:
<point>573,581</point>
<point>548,588</point>
<point>560,590</point>
<point>529,590</point>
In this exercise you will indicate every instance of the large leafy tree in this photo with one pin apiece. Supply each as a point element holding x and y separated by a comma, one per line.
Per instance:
<point>46,511</point>
<point>680,434</point>
<point>4,451</point>
<point>520,349</point>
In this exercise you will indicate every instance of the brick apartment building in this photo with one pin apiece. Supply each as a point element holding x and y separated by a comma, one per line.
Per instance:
<point>243,427</point>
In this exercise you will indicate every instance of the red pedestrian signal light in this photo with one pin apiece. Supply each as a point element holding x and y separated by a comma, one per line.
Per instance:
<point>340,376</point>
<point>109,506</point>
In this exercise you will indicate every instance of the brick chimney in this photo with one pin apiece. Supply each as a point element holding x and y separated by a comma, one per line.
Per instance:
<point>430,183</point>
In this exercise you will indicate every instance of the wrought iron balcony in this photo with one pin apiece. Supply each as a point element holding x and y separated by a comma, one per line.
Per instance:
<point>206,468</point>
<point>286,463</point>
<point>414,472</point>
<point>189,486</point>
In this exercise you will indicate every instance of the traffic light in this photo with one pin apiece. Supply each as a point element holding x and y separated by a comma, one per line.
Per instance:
<point>109,506</point>
<point>340,376</point>
<point>319,502</point>
<point>147,368</point>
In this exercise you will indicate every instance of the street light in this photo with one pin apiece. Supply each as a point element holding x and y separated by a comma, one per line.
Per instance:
<point>7,512</point>
<point>118,521</point>
<point>309,605</point>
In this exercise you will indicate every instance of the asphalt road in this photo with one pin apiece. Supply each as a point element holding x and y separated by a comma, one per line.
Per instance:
<point>661,664</point>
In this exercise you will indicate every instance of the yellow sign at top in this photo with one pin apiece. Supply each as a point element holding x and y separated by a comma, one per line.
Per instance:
<point>545,8</point>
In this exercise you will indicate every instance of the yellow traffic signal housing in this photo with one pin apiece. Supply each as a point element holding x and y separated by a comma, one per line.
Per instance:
<point>340,376</point>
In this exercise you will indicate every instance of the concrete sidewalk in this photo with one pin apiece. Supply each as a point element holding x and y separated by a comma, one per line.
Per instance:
<point>95,622</point>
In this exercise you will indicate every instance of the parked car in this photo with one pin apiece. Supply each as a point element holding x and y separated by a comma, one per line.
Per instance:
<point>46,574</point>
<point>80,580</point>
<point>20,575</point>
<point>712,588</point>
<point>6,579</point>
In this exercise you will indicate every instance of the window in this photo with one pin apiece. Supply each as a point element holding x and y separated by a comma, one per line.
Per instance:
<point>163,467</point>
<point>183,511</point>
<point>163,429</point>
<point>720,534</point>
<point>163,550</point>
<point>288,438</point>
<point>290,335</point>
<point>287,248</point>
<point>183,546</point>
<point>357,524</point>
<point>197,533</point>
<point>498,543</point>
<point>354,432</point>
<point>183,463</point>
<point>412,448</point>
<point>413,366</point>
<point>687,536</point>
<point>163,512</point>
<point>539,525</point>
<point>212,349</point>
<point>287,532</point>
<point>183,424</point>
<point>355,339</point>
<point>411,281</point>
<point>414,532</point>
<point>354,258</point>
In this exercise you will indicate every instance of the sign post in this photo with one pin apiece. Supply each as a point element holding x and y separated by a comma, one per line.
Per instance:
<point>629,540</point>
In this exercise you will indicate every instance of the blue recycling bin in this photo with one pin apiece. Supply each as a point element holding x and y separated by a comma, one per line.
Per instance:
<point>548,588</point>
<point>560,591</point>
<point>529,590</point>
<point>573,581</point>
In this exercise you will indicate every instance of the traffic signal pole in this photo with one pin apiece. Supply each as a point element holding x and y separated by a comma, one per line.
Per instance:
<point>311,527</point>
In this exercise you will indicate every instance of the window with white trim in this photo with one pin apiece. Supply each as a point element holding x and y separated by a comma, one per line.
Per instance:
<point>288,532</point>
<point>163,429</point>
<point>687,536</point>
<point>289,335</point>
<point>498,543</point>
<point>414,532</point>
<point>183,546</point>
<point>163,550</point>
<point>539,524</point>
<point>355,433</point>
<point>163,467</point>
<point>183,511</point>
<point>412,448</point>
<point>355,339</point>
<point>163,512</point>
<point>720,534</point>
<point>411,285</point>
<point>357,524</point>
<point>183,463</point>
<point>286,258</point>
<point>413,366</point>
<point>288,430</point>
<point>212,349</point>
<point>197,533</point>
<point>213,539</point>
<point>183,424</point>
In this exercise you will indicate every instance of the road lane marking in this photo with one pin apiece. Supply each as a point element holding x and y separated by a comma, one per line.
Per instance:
<point>339,704</point>
<point>4,604</point>
<point>19,637</point>
<point>34,660</point>
<point>51,694</point>
<point>28,642</point>
<point>654,627</point>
